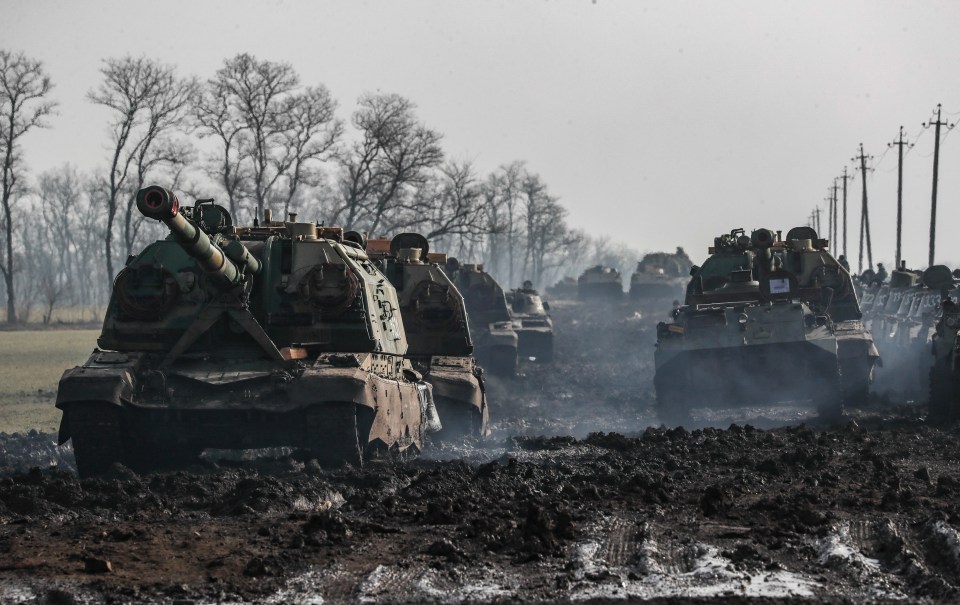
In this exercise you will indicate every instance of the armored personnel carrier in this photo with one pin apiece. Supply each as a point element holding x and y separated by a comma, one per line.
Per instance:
<point>944,402</point>
<point>490,321</point>
<point>600,282</point>
<point>766,320</point>
<point>535,330</point>
<point>221,336</point>
<point>438,334</point>
<point>661,276</point>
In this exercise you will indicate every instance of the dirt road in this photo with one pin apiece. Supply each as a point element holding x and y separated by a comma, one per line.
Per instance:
<point>578,496</point>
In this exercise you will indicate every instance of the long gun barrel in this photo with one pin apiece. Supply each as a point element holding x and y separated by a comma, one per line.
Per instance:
<point>224,266</point>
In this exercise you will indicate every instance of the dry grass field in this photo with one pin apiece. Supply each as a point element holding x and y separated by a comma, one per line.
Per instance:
<point>33,316</point>
<point>31,363</point>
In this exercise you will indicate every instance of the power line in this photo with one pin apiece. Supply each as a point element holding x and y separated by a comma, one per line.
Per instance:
<point>879,161</point>
<point>915,140</point>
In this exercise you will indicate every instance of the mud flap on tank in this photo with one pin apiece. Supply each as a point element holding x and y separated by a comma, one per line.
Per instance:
<point>828,396</point>
<point>428,409</point>
<point>95,428</point>
<point>858,358</point>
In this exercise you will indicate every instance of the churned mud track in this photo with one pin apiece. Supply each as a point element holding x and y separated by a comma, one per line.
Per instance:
<point>868,510</point>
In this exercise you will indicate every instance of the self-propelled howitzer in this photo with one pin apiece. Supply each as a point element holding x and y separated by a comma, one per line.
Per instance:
<point>435,319</point>
<point>220,336</point>
<point>766,320</point>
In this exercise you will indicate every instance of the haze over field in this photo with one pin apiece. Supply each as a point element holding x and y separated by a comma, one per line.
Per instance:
<point>657,123</point>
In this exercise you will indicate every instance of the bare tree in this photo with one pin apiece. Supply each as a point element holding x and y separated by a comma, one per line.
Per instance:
<point>547,235</point>
<point>395,154</point>
<point>50,284</point>
<point>26,266</point>
<point>312,132</point>
<point>150,103</point>
<point>502,191</point>
<point>90,232</point>
<point>448,205</point>
<point>217,118</point>
<point>66,274</point>
<point>24,86</point>
<point>272,134</point>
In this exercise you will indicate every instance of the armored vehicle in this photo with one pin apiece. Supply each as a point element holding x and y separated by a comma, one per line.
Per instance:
<point>898,315</point>
<point>944,402</point>
<point>221,336</point>
<point>438,334</point>
<point>766,320</point>
<point>661,275</point>
<point>566,288</point>
<point>886,299</point>
<point>535,329</point>
<point>600,282</point>
<point>490,321</point>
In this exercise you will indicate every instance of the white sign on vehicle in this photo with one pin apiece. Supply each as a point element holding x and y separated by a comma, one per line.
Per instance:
<point>780,286</point>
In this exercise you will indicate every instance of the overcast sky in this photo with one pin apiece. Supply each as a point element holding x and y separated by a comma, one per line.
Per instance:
<point>657,123</point>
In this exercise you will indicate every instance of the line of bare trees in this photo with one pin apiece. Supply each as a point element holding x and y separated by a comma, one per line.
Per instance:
<point>254,137</point>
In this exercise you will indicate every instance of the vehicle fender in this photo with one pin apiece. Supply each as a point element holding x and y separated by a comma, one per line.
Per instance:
<point>80,385</point>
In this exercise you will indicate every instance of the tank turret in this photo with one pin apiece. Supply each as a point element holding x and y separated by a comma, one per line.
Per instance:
<point>235,337</point>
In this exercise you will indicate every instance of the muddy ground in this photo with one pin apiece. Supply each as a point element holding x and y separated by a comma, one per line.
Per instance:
<point>578,495</point>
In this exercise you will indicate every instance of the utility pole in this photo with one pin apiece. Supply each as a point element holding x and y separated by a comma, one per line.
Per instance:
<point>845,178</point>
<point>828,201</point>
<point>936,165</point>
<point>816,213</point>
<point>899,143</point>
<point>865,212</point>
<point>833,204</point>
